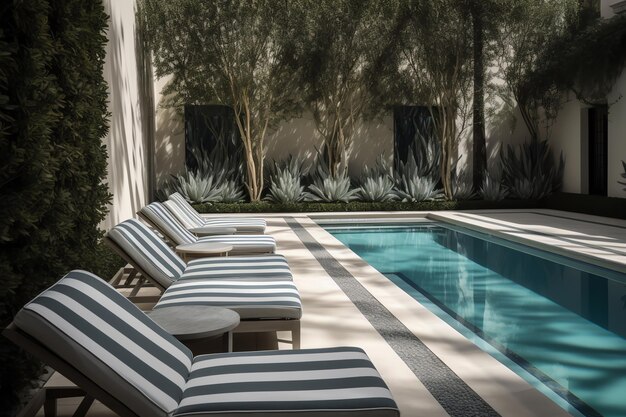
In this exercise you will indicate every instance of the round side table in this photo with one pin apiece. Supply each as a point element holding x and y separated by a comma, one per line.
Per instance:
<point>213,230</point>
<point>190,251</point>
<point>193,323</point>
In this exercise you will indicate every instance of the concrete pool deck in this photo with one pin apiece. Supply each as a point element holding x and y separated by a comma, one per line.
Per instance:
<point>347,302</point>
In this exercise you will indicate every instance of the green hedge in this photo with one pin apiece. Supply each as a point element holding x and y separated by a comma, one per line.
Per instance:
<point>312,207</point>
<point>53,115</point>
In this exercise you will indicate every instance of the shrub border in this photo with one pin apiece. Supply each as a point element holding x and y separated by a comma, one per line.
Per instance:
<point>315,207</point>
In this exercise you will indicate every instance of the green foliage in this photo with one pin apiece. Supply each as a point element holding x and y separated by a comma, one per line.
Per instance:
<point>335,48</point>
<point>415,182</point>
<point>565,62</point>
<point>285,181</point>
<point>526,30</point>
<point>53,115</point>
<point>377,183</point>
<point>492,188</point>
<point>230,52</point>
<point>217,178</point>
<point>330,187</point>
<point>462,187</point>
<point>194,187</point>
<point>377,188</point>
<point>530,171</point>
<point>231,192</point>
<point>321,207</point>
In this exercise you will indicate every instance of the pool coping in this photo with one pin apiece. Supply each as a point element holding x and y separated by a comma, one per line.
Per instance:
<point>505,391</point>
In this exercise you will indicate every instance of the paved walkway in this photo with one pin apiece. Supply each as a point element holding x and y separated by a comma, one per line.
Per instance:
<point>431,369</point>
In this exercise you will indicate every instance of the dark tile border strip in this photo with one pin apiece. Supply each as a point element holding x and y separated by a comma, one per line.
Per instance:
<point>557,388</point>
<point>454,395</point>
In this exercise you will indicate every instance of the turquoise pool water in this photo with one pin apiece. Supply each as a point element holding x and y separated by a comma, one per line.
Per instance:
<point>562,322</point>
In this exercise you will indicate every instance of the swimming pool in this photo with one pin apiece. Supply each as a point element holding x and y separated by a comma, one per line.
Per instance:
<point>559,323</point>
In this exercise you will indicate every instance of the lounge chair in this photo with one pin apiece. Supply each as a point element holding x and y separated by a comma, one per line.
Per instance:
<point>169,226</point>
<point>265,301</point>
<point>86,330</point>
<point>191,219</point>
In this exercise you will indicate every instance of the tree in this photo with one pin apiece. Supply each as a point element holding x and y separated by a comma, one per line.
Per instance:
<point>337,43</point>
<point>232,53</point>
<point>529,26</point>
<point>432,66</point>
<point>486,17</point>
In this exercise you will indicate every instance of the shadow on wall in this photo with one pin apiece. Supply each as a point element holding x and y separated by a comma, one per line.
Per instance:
<point>169,139</point>
<point>125,143</point>
<point>504,128</point>
<point>297,137</point>
<point>371,139</point>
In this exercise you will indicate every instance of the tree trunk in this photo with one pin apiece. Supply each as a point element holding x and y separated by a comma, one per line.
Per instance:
<point>478,144</point>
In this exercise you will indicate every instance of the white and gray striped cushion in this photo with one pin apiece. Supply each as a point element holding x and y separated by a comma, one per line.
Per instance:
<point>171,227</point>
<point>103,335</point>
<point>148,252</point>
<point>245,243</point>
<point>242,225</point>
<point>259,267</point>
<point>251,299</point>
<point>336,381</point>
<point>168,224</point>
<point>184,211</point>
<point>190,217</point>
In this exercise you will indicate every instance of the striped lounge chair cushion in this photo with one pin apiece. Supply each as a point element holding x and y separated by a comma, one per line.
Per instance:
<point>245,243</point>
<point>251,299</point>
<point>259,267</point>
<point>183,210</point>
<point>147,252</point>
<point>191,219</point>
<point>248,225</point>
<point>104,336</point>
<point>167,223</point>
<point>337,382</point>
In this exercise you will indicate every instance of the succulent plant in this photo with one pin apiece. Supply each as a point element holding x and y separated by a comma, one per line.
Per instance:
<point>493,189</point>
<point>286,181</point>
<point>530,172</point>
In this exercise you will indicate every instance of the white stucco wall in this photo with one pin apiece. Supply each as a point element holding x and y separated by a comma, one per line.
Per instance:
<point>566,135</point>
<point>297,137</point>
<point>128,167</point>
<point>169,152</point>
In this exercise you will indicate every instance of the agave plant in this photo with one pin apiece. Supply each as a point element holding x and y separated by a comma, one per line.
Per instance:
<point>379,188</point>
<point>531,172</point>
<point>194,187</point>
<point>231,192</point>
<point>492,188</point>
<point>377,183</point>
<point>285,181</point>
<point>412,189</point>
<point>462,187</point>
<point>412,186</point>
<point>327,187</point>
<point>331,189</point>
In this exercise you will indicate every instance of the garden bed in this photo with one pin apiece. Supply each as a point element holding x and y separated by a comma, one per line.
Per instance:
<point>316,207</point>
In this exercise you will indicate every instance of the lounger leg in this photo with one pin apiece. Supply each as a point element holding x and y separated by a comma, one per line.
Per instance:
<point>53,394</point>
<point>295,336</point>
<point>83,407</point>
